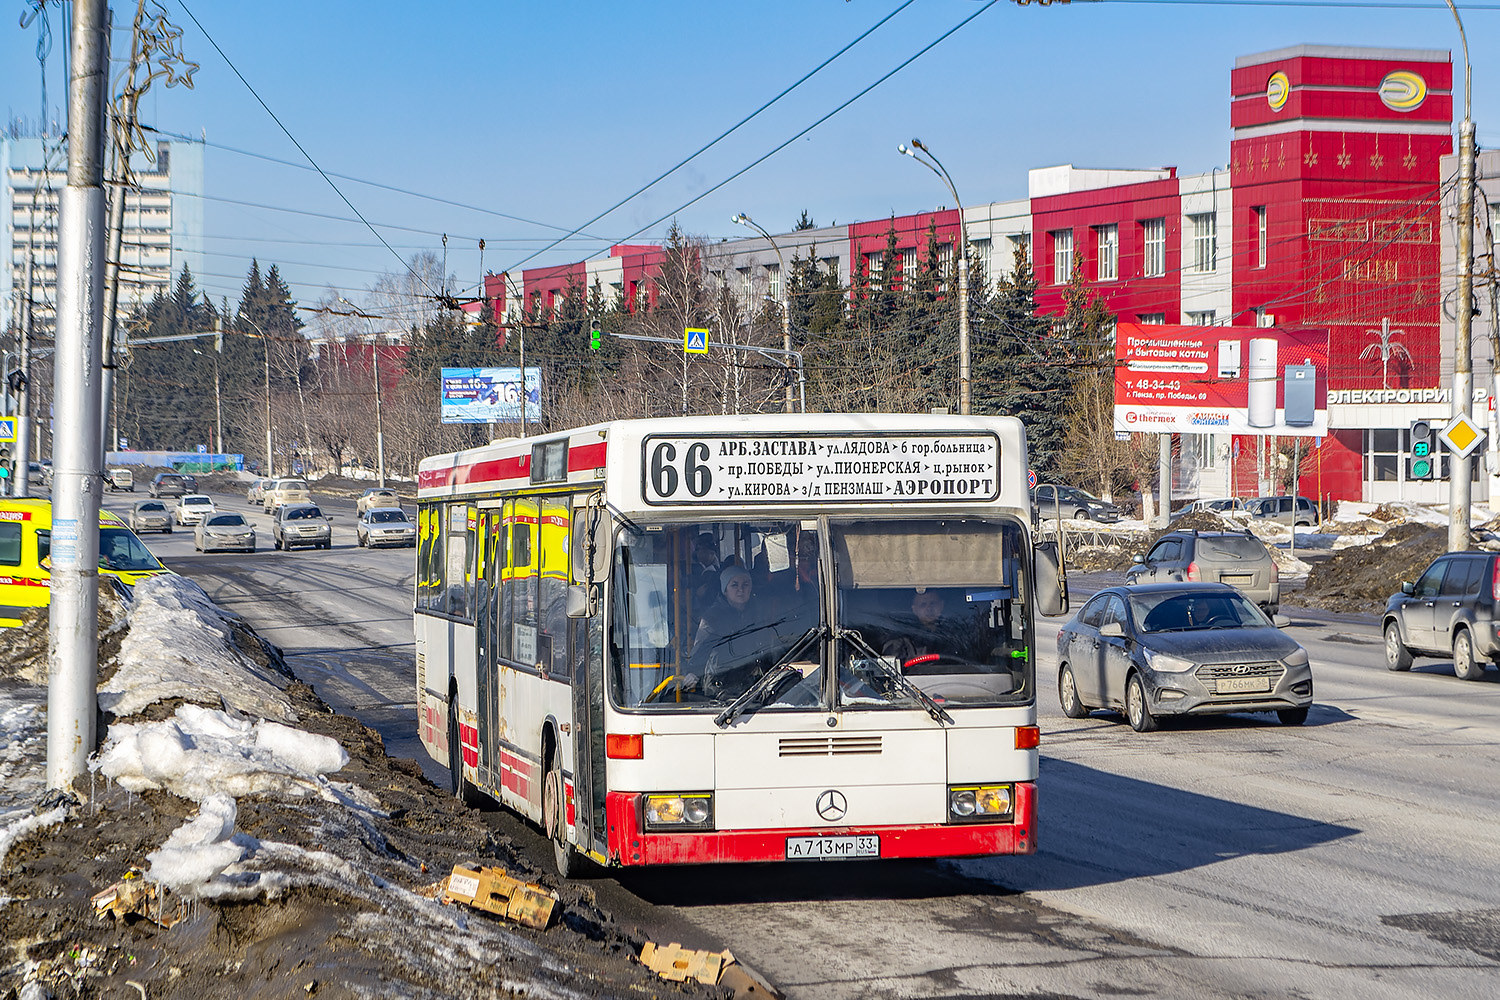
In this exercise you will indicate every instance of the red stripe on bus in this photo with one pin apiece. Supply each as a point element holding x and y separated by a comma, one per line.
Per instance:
<point>516,773</point>
<point>629,844</point>
<point>477,472</point>
<point>587,458</point>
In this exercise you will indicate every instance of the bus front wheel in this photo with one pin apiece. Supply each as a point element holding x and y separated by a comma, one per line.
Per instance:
<point>555,822</point>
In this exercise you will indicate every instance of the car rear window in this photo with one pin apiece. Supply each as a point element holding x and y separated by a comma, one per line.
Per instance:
<point>1232,547</point>
<point>291,484</point>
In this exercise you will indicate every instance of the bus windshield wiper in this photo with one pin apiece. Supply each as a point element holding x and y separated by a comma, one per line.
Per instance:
<point>779,671</point>
<point>900,680</point>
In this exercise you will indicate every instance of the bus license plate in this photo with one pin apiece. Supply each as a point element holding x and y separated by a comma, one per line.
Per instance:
<point>1243,685</point>
<point>831,848</point>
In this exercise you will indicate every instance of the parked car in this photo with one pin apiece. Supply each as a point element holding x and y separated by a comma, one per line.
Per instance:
<point>1280,509</point>
<point>1218,505</point>
<point>285,491</point>
<point>121,479</point>
<point>1071,502</point>
<point>224,531</point>
<point>301,524</point>
<point>385,526</point>
<point>1449,611</point>
<point>256,494</point>
<point>194,507</point>
<point>1237,558</point>
<point>1170,649</point>
<point>150,515</point>
<point>168,484</point>
<point>377,497</point>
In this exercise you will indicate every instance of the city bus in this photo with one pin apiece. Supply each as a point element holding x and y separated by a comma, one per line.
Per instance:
<point>713,639</point>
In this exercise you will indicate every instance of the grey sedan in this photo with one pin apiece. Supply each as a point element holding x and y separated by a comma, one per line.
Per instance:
<point>150,515</point>
<point>385,526</point>
<point>224,531</point>
<point>1180,649</point>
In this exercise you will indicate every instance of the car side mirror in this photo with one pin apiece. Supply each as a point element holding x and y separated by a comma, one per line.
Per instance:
<point>1280,621</point>
<point>1407,587</point>
<point>1138,559</point>
<point>1112,630</point>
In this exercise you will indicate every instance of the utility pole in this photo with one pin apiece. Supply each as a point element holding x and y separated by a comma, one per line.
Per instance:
<point>73,622</point>
<point>1459,485</point>
<point>964,396</point>
<point>218,406</point>
<point>1164,476</point>
<point>22,486</point>
<point>111,296</point>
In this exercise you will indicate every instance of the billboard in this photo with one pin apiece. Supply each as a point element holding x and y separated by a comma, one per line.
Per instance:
<point>490,395</point>
<point>1221,380</point>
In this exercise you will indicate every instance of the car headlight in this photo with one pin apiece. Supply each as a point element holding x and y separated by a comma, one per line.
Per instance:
<point>689,811</point>
<point>1297,658</point>
<point>1163,663</point>
<point>979,803</point>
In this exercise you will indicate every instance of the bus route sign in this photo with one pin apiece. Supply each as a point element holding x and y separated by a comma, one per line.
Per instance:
<point>767,469</point>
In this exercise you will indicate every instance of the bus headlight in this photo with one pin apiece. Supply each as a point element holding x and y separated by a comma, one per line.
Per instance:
<point>693,811</point>
<point>978,803</point>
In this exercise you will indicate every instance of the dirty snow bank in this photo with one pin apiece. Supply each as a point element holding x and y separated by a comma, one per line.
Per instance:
<point>179,645</point>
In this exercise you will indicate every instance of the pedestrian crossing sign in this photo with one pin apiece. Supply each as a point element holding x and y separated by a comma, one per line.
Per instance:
<point>695,341</point>
<point>7,429</point>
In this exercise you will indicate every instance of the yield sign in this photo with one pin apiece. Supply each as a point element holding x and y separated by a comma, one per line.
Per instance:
<point>1461,436</point>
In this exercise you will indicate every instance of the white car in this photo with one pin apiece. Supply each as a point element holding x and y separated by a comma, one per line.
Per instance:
<point>193,507</point>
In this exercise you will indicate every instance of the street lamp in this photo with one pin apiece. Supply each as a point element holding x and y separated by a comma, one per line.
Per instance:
<point>375,365</point>
<point>786,312</point>
<point>936,166</point>
<point>1459,485</point>
<point>266,343</point>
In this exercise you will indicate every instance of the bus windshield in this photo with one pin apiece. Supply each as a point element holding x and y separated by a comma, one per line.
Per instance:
<point>703,612</point>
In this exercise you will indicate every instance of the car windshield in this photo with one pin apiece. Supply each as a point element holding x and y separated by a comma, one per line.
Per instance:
<point>152,508</point>
<point>1187,611</point>
<point>387,517</point>
<point>302,513</point>
<point>119,549</point>
<point>225,521</point>
<point>702,612</point>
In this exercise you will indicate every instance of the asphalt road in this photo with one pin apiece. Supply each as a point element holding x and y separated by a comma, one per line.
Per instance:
<point>1227,857</point>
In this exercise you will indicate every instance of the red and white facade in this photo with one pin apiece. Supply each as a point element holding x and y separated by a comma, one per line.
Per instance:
<point>1328,216</point>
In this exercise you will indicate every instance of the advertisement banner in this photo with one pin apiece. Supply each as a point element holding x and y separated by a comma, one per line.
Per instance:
<point>1221,380</point>
<point>490,395</point>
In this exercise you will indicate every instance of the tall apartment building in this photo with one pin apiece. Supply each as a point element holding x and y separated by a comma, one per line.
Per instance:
<point>163,223</point>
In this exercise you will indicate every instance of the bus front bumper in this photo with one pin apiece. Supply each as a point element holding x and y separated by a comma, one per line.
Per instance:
<point>630,844</point>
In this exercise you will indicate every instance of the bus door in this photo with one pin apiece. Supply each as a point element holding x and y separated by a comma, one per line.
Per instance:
<point>491,563</point>
<point>586,659</point>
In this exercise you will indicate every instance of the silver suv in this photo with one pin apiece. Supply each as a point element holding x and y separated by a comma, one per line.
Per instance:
<point>1237,558</point>
<point>301,524</point>
<point>1451,610</point>
<point>1280,509</point>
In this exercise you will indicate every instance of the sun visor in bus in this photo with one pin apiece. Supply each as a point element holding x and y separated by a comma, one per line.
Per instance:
<point>939,553</point>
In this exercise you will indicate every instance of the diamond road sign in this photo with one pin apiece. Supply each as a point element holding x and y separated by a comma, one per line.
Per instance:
<point>1461,436</point>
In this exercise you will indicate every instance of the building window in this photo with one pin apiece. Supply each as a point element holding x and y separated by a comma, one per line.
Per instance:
<point>1151,319</point>
<point>908,268</point>
<point>1155,232</point>
<point>1203,317</point>
<point>1207,452</point>
<point>981,251</point>
<point>1062,256</point>
<point>874,264</point>
<point>1260,235</point>
<point>773,282</point>
<point>1205,243</point>
<point>1108,242</point>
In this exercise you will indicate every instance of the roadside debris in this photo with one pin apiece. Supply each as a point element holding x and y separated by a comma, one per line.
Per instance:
<point>135,894</point>
<point>714,968</point>
<point>492,890</point>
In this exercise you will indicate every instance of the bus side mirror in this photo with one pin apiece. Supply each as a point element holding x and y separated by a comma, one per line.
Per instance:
<point>1051,585</point>
<point>578,601</point>
<point>593,530</point>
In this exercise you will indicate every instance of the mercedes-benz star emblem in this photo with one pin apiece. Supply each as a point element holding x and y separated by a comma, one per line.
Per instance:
<point>832,805</point>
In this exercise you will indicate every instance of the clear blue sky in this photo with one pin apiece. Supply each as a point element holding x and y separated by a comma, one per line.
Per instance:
<point>551,112</point>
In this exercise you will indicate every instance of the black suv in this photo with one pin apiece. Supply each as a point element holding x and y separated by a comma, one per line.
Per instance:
<point>168,484</point>
<point>1048,501</point>
<point>1237,558</point>
<point>1449,611</point>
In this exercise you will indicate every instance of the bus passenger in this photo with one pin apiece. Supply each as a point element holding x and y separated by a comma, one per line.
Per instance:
<point>732,635</point>
<point>929,632</point>
<point>704,574</point>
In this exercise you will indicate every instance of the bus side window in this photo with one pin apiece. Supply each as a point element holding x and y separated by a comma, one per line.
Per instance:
<point>458,568</point>
<point>429,556</point>
<point>553,529</point>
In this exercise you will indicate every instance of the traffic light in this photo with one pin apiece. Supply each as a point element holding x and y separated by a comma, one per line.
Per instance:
<point>594,339</point>
<point>1423,462</point>
<point>5,465</point>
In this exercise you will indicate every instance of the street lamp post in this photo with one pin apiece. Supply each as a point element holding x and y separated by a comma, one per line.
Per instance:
<point>375,366</point>
<point>936,166</point>
<point>1459,484</point>
<point>786,312</point>
<point>266,343</point>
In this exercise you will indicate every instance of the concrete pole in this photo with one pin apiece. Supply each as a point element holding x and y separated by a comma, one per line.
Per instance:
<point>23,398</point>
<point>266,343</point>
<point>1164,478</point>
<point>73,633</point>
<point>111,299</point>
<point>963,271</point>
<point>1459,485</point>
<point>380,427</point>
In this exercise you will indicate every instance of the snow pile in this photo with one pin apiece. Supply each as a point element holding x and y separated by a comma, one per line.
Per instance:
<point>179,646</point>
<point>23,748</point>
<point>11,834</point>
<point>200,752</point>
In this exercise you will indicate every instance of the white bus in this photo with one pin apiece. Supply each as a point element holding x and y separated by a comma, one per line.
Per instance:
<point>747,638</point>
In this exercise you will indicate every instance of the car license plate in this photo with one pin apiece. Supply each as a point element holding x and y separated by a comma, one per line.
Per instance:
<point>831,848</point>
<point>1237,579</point>
<point>1243,685</point>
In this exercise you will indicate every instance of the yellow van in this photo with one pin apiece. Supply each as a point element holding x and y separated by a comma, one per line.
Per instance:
<point>26,543</point>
